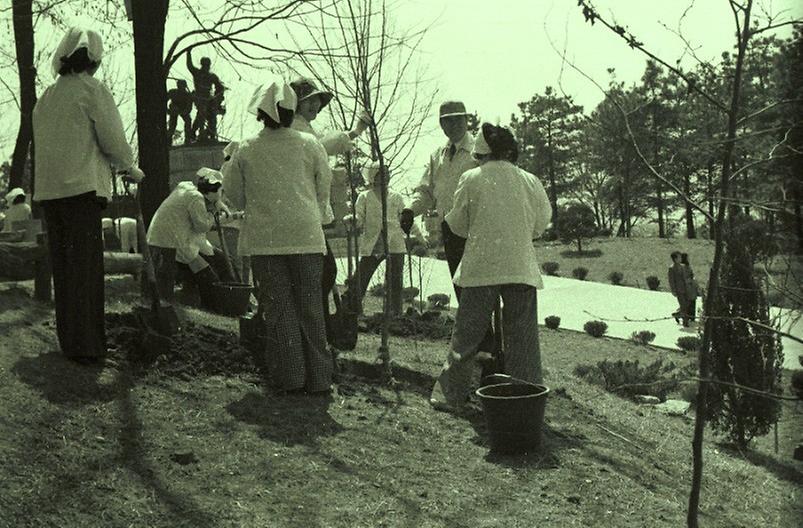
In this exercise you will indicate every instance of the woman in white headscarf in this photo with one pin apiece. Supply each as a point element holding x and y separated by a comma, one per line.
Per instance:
<point>498,261</point>
<point>280,179</point>
<point>80,141</point>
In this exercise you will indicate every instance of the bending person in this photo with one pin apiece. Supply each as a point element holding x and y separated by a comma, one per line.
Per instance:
<point>497,261</point>
<point>177,236</point>
<point>281,179</point>
<point>80,141</point>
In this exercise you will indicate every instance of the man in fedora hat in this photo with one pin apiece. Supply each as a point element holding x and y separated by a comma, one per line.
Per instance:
<point>311,101</point>
<point>435,192</point>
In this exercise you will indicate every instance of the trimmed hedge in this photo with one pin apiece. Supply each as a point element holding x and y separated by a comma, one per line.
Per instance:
<point>552,322</point>
<point>595,328</point>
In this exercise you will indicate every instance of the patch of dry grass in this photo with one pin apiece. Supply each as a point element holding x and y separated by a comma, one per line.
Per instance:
<point>83,447</point>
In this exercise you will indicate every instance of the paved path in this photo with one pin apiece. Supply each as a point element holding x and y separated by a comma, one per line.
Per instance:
<point>576,302</point>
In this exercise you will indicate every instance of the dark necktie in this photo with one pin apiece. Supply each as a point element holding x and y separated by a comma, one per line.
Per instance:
<point>452,151</point>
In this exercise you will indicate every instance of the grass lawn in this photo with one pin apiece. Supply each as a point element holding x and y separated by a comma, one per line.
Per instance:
<point>638,258</point>
<point>121,447</point>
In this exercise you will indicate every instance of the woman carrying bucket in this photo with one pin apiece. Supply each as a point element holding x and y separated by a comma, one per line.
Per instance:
<point>281,179</point>
<point>499,208</point>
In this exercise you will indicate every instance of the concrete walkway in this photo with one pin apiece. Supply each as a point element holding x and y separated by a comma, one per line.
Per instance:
<point>625,310</point>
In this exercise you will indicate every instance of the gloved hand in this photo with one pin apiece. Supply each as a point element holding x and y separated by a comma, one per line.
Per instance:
<point>222,209</point>
<point>406,220</point>
<point>133,175</point>
<point>362,123</point>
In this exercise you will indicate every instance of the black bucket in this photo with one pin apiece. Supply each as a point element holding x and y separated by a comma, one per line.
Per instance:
<point>514,413</point>
<point>230,298</point>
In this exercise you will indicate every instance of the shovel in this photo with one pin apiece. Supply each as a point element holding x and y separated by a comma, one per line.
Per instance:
<point>231,298</point>
<point>161,321</point>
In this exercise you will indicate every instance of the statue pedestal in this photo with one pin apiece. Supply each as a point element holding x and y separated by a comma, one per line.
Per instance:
<point>185,160</point>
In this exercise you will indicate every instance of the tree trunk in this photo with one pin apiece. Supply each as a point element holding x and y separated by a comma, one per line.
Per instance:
<point>553,191</point>
<point>691,232</point>
<point>22,13</point>
<point>154,149</point>
<point>711,300</point>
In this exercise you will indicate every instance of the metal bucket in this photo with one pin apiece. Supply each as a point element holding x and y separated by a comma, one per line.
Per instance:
<point>230,298</point>
<point>514,413</point>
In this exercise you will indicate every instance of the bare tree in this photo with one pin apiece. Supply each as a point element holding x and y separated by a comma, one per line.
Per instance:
<point>731,111</point>
<point>370,65</point>
<point>22,13</point>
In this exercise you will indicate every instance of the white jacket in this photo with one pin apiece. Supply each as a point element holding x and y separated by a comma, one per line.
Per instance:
<point>79,139</point>
<point>182,222</point>
<point>500,209</point>
<point>282,180</point>
<point>368,211</point>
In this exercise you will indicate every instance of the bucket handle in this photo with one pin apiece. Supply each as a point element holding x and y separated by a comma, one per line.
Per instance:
<point>512,379</point>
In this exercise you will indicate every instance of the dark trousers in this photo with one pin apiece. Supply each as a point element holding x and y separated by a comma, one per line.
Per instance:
<point>454,246</point>
<point>328,279</point>
<point>366,268</point>
<point>167,270</point>
<point>75,242</point>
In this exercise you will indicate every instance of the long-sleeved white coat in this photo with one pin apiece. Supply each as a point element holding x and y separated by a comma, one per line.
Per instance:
<point>500,209</point>
<point>281,179</point>
<point>79,139</point>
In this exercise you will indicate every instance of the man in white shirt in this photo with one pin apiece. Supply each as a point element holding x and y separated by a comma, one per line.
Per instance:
<point>434,193</point>
<point>498,261</point>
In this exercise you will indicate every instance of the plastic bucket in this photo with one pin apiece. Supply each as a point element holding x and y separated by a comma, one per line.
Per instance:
<point>230,298</point>
<point>514,413</point>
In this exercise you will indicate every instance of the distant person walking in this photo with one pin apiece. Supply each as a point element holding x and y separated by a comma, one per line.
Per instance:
<point>80,140</point>
<point>498,261</point>
<point>692,287</point>
<point>677,284</point>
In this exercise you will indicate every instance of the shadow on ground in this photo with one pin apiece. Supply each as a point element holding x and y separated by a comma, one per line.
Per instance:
<point>289,419</point>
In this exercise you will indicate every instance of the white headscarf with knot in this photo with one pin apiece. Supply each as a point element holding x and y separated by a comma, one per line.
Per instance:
<point>270,96</point>
<point>75,39</point>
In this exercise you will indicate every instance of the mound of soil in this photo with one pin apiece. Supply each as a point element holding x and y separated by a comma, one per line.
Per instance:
<point>429,325</point>
<point>195,350</point>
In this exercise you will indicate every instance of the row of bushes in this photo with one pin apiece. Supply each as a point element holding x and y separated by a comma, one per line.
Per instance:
<point>580,273</point>
<point>643,337</point>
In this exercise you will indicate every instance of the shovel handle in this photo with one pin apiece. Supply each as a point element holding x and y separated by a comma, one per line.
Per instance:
<point>231,269</point>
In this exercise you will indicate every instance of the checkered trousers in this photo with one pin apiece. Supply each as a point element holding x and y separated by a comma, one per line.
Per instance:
<point>290,294</point>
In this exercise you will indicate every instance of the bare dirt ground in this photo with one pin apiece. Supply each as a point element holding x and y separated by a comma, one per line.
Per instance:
<point>196,440</point>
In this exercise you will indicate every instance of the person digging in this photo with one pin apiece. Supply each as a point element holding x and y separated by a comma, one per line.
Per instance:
<point>177,237</point>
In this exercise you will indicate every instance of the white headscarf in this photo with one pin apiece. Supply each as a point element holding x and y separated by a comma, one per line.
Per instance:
<point>270,96</point>
<point>369,172</point>
<point>211,175</point>
<point>481,145</point>
<point>75,39</point>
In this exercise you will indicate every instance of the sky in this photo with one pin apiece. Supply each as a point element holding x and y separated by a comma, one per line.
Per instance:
<point>491,55</point>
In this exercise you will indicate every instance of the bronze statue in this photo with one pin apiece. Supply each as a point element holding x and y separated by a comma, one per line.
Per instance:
<point>208,105</point>
<point>179,105</point>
